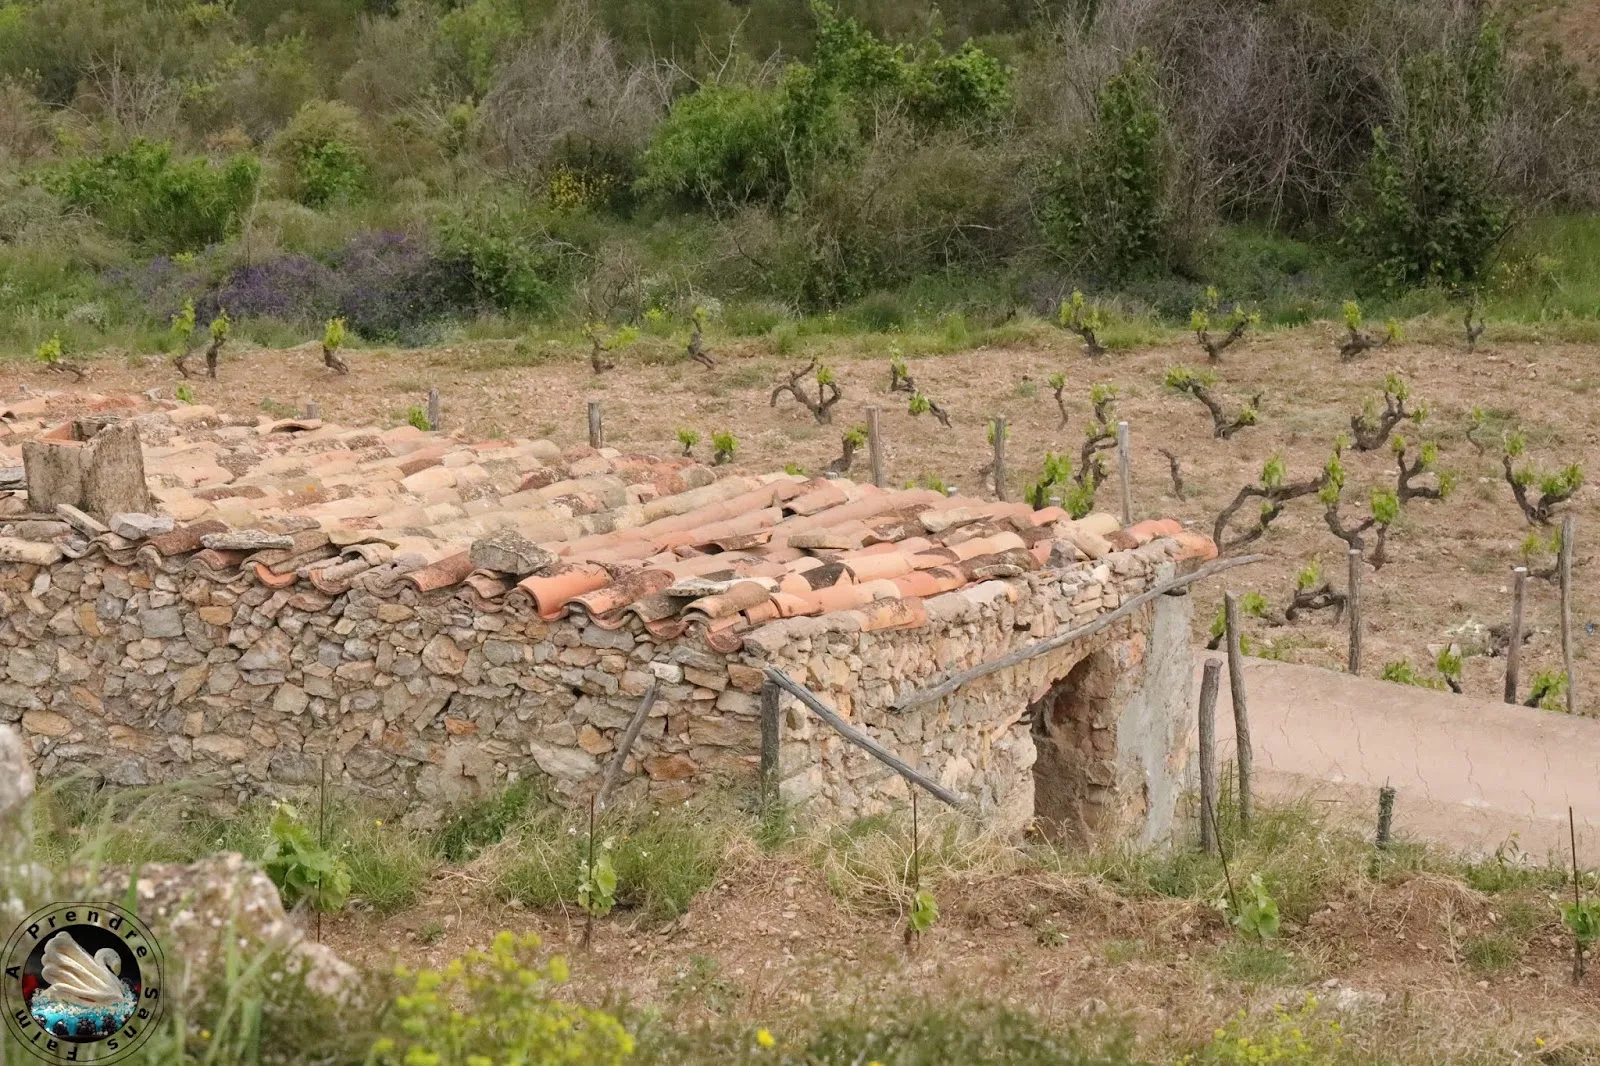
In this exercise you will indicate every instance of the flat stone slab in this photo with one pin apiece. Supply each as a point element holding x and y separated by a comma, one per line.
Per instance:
<point>506,551</point>
<point>136,526</point>
<point>251,540</point>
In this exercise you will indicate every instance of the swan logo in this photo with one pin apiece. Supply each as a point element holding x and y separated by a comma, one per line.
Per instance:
<point>82,983</point>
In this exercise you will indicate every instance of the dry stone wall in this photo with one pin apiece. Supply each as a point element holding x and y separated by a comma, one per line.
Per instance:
<point>145,676</point>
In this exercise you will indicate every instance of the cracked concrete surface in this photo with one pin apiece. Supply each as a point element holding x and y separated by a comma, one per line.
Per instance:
<point>1468,773</point>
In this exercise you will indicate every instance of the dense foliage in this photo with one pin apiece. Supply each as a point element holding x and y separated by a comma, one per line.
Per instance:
<point>400,165</point>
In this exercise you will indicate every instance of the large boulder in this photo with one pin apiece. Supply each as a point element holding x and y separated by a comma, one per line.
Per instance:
<point>194,909</point>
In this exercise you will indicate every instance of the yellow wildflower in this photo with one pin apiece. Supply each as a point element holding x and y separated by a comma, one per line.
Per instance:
<point>764,1038</point>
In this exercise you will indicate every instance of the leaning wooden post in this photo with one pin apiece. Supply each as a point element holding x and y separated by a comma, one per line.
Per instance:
<point>312,410</point>
<point>1353,610</point>
<point>1210,681</point>
<point>435,416</point>
<point>875,445</point>
<point>597,435</point>
<point>1241,716</point>
<point>1568,531</point>
<point>1519,589</point>
<point>771,738</point>
<point>620,757</point>
<point>999,427</point>
<point>1123,462</point>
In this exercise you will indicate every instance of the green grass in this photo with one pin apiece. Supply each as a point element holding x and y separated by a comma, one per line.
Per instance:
<point>1256,963</point>
<point>662,860</point>
<point>896,1033</point>
<point>1493,954</point>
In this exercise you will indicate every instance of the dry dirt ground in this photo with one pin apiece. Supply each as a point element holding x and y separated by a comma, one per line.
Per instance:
<point>769,942</point>
<point>1450,561</point>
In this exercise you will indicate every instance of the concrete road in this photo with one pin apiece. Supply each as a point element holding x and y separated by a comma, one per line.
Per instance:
<point>1468,773</point>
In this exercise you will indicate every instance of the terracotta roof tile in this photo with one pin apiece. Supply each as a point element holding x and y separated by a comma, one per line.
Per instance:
<point>642,540</point>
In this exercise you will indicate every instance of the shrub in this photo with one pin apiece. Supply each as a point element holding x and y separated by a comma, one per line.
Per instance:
<point>496,257</point>
<point>1106,209</point>
<point>294,288</point>
<point>148,197</point>
<point>390,283</point>
<point>323,149</point>
<point>720,144</point>
<point>1425,209</point>
<point>971,85</point>
<point>498,1006</point>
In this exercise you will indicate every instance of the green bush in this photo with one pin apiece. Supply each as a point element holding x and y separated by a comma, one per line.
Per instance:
<point>323,149</point>
<point>145,195</point>
<point>720,144</point>
<point>971,85</point>
<point>498,1006</point>
<point>500,258</point>
<point>1106,209</point>
<point>1426,209</point>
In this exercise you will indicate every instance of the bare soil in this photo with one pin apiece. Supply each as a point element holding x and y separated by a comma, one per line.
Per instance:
<point>770,942</point>
<point>1450,561</point>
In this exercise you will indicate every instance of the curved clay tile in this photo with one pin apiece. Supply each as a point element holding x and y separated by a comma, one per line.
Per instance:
<point>265,575</point>
<point>791,605</point>
<point>918,583</point>
<point>727,635</point>
<point>552,590</point>
<point>932,557</point>
<point>740,595</point>
<point>894,614</point>
<point>337,578</point>
<point>214,561</point>
<point>185,539</point>
<point>878,567</point>
<point>625,588</point>
<point>667,628</point>
<point>840,598</point>
<point>448,571</point>
<point>765,611</point>
<point>484,590</point>
<point>827,575</point>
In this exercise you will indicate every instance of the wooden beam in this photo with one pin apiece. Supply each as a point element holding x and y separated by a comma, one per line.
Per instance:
<point>1244,754</point>
<point>1210,681</point>
<point>771,741</point>
<point>614,771</point>
<point>1568,532</point>
<point>1061,640</point>
<point>862,740</point>
<point>875,445</point>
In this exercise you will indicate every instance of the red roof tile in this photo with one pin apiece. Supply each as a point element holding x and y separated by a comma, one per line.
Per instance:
<point>640,539</point>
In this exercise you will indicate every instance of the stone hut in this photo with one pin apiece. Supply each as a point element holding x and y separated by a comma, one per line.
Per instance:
<point>428,617</point>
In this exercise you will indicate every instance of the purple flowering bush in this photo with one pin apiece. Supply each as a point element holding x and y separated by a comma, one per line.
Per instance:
<point>387,285</point>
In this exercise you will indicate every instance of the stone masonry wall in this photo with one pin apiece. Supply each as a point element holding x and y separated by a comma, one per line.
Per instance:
<point>977,740</point>
<point>146,676</point>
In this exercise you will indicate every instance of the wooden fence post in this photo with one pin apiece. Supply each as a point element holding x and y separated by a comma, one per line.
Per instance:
<point>999,425</point>
<point>771,736</point>
<point>1519,589</point>
<point>312,410</point>
<point>1210,681</point>
<point>875,445</point>
<point>1123,462</point>
<point>435,416</point>
<point>1568,531</point>
<point>597,436</point>
<point>1353,610</point>
<point>1241,716</point>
